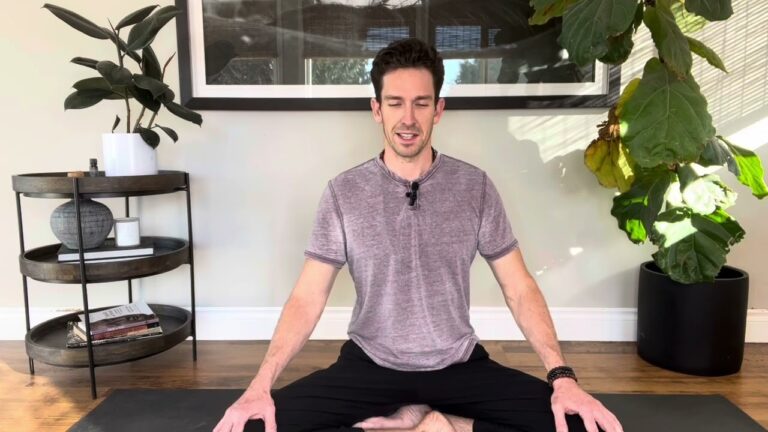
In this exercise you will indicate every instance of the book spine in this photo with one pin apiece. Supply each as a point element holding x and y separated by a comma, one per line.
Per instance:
<point>130,331</point>
<point>97,329</point>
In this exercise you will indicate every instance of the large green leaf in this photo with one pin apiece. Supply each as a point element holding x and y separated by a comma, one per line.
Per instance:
<point>637,209</point>
<point>715,153</point>
<point>692,247</point>
<point>588,24</point>
<point>143,33</point>
<point>144,97</point>
<point>154,86</point>
<point>666,120</point>
<point>669,39</point>
<point>713,10</point>
<point>184,113</point>
<point>149,136</point>
<point>83,61</point>
<point>750,169</point>
<point>706,53</point>
<point>95,83</point>
<point>620,47</point>
<point>544,10</point>
<point>150,65</point>
<point>170,132</point>
<point>135,17</point>
<point>113,73</point>
<point>688,22</point>
<point>85,98</point>
<point>77,22</point>
<point>704,194</point>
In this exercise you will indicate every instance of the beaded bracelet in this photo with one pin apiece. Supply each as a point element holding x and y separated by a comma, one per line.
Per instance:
<point>560,372</point>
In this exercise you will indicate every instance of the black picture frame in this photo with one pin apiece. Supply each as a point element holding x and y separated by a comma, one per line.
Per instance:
<point>191,98</point>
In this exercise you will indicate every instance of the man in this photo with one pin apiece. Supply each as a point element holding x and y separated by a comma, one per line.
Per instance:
<point>409,223</point>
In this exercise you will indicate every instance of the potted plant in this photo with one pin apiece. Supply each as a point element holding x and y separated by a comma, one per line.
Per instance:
<point>659,148</point>
<point>133,151</point>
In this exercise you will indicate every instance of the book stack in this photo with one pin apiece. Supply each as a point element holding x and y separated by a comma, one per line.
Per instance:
<point>108,251</point>
<point>119,324</point>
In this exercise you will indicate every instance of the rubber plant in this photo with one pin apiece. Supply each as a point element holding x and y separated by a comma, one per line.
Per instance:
<point>658,139</point>
<point>115,81</point>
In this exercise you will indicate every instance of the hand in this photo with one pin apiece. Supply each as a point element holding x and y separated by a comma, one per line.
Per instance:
<point>569,398</point>
<point>254,404</point>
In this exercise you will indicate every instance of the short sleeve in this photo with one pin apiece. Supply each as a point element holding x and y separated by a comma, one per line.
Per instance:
<point>327,243</point>
<point>495,237</point>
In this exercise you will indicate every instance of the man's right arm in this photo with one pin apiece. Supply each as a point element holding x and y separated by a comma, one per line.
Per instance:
<point>300,315</point>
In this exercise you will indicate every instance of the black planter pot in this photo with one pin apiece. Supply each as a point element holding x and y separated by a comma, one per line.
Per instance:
<point>696,329</point>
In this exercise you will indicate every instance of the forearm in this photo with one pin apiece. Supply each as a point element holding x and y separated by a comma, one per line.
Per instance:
<point>294,327</point>
<point>532,316</point>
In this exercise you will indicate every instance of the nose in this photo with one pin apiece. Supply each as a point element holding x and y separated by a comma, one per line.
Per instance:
<point>409,116</point>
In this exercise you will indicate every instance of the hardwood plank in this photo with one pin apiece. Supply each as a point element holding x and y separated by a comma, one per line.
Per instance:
<point>55,398</point>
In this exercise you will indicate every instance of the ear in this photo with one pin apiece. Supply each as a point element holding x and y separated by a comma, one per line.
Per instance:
<point>376,109</point>
<point>439,110</point>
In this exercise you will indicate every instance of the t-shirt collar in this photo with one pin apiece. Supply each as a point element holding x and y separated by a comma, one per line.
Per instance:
<point>379,160</point>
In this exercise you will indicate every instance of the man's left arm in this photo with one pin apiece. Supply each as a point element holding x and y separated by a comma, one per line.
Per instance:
<point>529,309</point>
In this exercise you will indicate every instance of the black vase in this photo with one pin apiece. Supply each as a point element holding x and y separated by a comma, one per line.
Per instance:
<point>696,329</point>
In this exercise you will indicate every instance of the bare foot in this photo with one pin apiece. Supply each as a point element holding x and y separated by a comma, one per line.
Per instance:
<point>434,421</point>
<point>406,417</point>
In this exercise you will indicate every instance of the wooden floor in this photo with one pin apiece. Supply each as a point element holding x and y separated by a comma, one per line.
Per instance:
<point>55,398</point>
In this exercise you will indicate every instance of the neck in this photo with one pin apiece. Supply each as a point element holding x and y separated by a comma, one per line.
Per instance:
<point>409,168</point>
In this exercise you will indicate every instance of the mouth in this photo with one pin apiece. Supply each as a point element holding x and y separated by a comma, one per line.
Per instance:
<point>407,137</point>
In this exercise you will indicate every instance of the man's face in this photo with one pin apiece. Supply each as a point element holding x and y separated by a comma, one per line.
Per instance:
<point>408,110</point>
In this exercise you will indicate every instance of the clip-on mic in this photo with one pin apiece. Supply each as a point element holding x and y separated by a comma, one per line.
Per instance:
<point>413,194</point>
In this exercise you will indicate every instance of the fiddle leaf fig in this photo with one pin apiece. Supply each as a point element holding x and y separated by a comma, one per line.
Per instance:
<point>588,24</point>
<point>636,209</point>
<point>688,22</point>
<point>705,52</point>
<point>692,247</point>
<point>713,10</point>
<point>544,10</point>
<point>704,194</point>
<point>666,120</point>
<point>750,169</point>
<point>610,163</point>
<point>670,40</point>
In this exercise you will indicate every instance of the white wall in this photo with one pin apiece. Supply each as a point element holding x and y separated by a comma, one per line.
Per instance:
<point>257,176</point>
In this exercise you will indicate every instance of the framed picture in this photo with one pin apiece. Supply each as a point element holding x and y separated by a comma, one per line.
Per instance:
<point>317,54</point>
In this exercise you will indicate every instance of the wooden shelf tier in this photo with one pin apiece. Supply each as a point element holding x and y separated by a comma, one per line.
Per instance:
<point>46,341</point>
<point>42,263</point>
<point>58,185</point>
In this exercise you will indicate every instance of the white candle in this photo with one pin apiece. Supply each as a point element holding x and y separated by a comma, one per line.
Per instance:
<point>127,231</point>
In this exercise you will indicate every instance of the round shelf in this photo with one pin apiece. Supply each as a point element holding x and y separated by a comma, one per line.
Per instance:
<point>47,341</point>
<point>58,185</point>
<point>42,263</point>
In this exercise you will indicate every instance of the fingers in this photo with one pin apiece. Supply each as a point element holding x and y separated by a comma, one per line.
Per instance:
<point>560,424</point>
<point>589,422</point>
<point>608,422</point>
<point>269,422</point>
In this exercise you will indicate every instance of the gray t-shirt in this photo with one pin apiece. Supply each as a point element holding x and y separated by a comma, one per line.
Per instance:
<point>410,264</point>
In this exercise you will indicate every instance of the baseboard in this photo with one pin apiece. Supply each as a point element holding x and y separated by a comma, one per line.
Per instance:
<point>490,323</point>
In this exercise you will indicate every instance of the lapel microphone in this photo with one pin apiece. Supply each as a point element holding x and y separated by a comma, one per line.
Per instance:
<point>413,193</point>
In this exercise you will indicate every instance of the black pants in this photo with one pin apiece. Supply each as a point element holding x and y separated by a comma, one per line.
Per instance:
<point>354,388</point>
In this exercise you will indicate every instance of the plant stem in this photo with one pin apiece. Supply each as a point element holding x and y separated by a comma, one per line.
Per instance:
<point>120,60</point>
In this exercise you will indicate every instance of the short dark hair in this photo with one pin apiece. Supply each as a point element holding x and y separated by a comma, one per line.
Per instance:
<point>407,53</point>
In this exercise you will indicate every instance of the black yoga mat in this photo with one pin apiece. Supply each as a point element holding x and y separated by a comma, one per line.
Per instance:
<point>200,410</point>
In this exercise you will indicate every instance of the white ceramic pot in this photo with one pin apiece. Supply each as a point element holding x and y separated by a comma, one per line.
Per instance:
<point>126,154</point>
